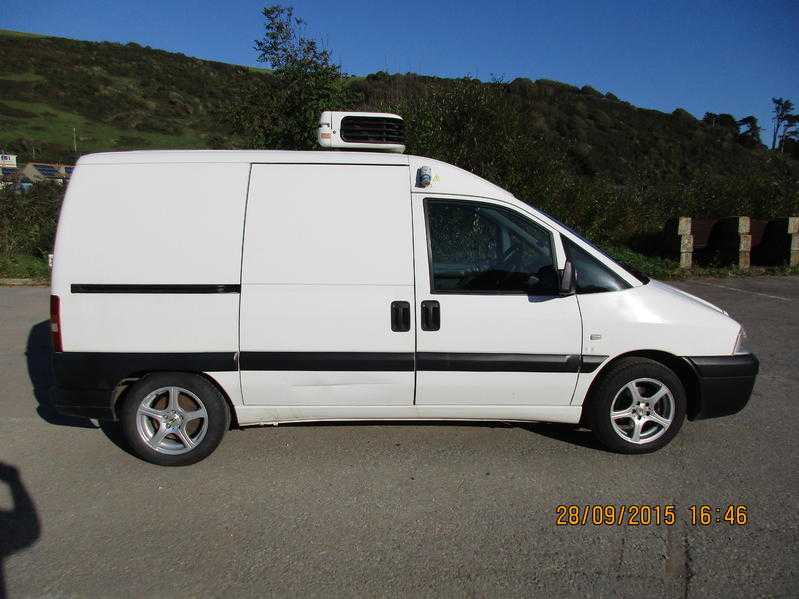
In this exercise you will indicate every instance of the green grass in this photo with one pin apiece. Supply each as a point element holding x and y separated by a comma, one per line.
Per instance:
<point>53,125</point>
<point>12,33</point>
<point>24,267</point>
<point>20,77</point>
<point>663,268</point>
<point>655,267</point>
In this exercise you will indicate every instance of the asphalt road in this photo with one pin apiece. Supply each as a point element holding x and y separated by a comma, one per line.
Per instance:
<point>396,510</point>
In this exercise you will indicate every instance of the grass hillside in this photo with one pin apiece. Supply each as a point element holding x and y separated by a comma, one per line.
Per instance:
<point>114,96</point>
<point>612,170</point>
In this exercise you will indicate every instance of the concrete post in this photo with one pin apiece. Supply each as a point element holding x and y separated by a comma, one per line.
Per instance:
<point>744,242</point>
<point>793,233</point>
<point>686,242</point>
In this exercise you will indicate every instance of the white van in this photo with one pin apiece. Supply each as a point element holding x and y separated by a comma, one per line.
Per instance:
<point>195,289</point>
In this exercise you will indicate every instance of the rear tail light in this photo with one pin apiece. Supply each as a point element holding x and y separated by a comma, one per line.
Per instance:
<point>55,322</point>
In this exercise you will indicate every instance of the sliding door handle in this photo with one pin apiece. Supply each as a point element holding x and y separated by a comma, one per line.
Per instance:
<point>400,316</point>
<point>431,315</point>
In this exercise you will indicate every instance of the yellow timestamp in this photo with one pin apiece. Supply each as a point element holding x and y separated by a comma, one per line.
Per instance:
<point>636,514</point>
<point>707,515</point>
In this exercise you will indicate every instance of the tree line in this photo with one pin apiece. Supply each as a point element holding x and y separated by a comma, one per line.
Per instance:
<point>612,170</point>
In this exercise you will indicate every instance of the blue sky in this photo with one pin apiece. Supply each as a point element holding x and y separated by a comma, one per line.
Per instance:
<point>719,56</point>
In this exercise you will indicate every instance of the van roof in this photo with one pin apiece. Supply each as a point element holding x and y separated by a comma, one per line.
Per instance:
<point>447,178</point>
<point>239,156</point>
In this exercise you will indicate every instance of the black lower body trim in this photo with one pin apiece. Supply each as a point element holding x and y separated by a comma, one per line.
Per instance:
<point>468,362</point>
<point>83,403</point>
<point>725,384</point>
<point>85,381</point>
<point>104,370</point>
<point>325,361</point>
<point>726,366</point>
<point>591,363</point>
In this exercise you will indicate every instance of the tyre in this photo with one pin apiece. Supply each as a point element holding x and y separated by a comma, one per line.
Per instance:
<point>173,419</point>
<point>638,406</point>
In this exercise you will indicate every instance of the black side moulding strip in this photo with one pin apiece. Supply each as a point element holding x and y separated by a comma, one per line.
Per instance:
<point>155,288</point>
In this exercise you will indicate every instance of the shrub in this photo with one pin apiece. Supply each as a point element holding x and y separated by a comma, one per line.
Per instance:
<point>28,219</point>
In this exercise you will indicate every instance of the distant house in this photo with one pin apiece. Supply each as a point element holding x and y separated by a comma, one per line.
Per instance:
<point>33,172</point>
<point>8,176</point>
<point>36,172</point>
<point>8,169</point>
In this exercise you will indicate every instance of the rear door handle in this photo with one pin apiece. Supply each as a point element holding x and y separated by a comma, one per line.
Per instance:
<point>431,315</point>
<point>400,316</point>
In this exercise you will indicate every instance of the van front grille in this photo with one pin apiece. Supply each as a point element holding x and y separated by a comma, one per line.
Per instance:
<point>373,130</point>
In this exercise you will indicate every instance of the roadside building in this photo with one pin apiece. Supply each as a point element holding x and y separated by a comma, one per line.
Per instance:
<point>8,169</point>
<point>7,160</point>
<point>36,172</point>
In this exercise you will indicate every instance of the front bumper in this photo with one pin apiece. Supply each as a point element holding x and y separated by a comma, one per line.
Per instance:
<point>725,384</point>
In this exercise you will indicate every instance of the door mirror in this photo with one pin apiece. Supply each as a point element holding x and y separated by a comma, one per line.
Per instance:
<point>567,282</point>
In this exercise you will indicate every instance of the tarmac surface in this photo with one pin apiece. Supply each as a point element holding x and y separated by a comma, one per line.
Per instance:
<point>400,509</point>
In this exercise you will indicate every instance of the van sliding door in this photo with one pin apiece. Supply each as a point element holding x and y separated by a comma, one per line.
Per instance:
<point>327,288</point>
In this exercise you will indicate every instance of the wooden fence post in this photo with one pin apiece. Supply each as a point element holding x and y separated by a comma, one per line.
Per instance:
<point>793,233</point>
<point>686,241</point>
<point>744,242</point>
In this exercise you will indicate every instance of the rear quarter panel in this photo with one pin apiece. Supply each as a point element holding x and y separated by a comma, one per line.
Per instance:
<point>150,224</point>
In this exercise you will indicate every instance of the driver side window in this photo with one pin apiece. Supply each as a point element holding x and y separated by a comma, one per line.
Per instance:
<point>482,248</point>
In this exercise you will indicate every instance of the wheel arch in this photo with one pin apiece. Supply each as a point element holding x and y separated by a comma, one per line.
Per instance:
<point>680,366</point>
<point>119,393</point>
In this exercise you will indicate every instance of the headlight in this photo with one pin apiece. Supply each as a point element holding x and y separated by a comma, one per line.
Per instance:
<point>742,343</point>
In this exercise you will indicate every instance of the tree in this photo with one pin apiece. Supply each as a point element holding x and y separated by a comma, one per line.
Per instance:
<point>283,49</point>
<point>280,108</point>
<point>790,129</point>
<point>284,112</point>
<point>721,121</point>
<point>783,115</point>
<point>751,136</point>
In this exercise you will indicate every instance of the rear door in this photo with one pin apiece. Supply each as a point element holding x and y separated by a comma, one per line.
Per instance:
<point>493,330</point>
<point>327,287</point>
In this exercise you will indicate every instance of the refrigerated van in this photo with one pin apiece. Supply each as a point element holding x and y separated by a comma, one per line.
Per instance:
<point>193,291</point>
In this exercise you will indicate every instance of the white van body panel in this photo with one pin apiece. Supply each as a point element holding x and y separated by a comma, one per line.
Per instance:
<point>655,317</point>
<point>327,248</point>
<point>150,224</point>
<point>652,317</point>
<point>450,180</point>
<point>150,322</point>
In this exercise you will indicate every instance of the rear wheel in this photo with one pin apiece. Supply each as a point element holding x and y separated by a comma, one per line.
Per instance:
<point>638,406</point>
<point>174,419</point>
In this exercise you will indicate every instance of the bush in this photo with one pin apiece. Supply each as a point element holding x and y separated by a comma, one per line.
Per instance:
<point>28,219</point>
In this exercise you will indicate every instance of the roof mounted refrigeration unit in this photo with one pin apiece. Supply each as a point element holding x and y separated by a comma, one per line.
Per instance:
<point>376,131</point>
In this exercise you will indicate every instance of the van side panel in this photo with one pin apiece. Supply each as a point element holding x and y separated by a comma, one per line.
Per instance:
<point>148,259</point>
<point>327,249</point>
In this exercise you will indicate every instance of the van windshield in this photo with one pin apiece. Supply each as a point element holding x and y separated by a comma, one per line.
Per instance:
<point>630,269</point>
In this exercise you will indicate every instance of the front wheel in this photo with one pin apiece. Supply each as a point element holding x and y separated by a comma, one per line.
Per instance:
<point>638,406</point>
<point>174,419</point>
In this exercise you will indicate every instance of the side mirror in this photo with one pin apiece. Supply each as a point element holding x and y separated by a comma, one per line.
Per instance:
<point>567,283</point>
